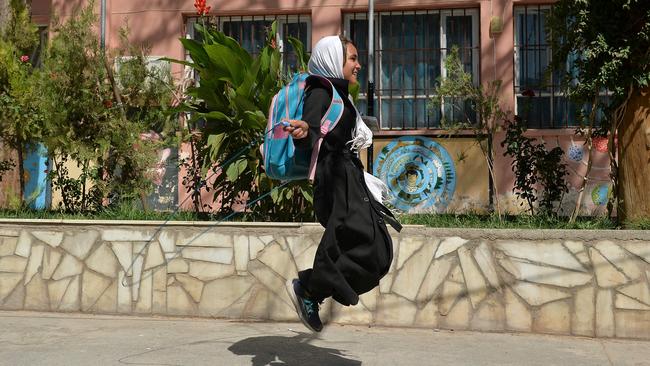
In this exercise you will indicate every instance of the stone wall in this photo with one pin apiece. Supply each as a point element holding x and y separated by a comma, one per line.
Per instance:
<point>587,283</point>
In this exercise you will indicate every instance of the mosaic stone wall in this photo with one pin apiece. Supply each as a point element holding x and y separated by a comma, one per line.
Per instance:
<point>561,282</point>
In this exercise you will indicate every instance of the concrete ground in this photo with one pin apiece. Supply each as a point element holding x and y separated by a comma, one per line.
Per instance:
<point>29,338</point>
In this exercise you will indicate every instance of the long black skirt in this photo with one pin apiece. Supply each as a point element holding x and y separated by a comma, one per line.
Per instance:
<point>356,250</point>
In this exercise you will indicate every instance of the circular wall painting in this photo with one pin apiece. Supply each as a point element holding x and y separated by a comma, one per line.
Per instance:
<point>419,172</point>
<point>600,194</point>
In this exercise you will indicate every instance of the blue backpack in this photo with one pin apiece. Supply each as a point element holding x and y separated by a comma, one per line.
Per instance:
<point>282,160</point>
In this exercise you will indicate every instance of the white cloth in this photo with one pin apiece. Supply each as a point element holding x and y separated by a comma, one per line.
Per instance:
<point>361,136</point>
<point>327,60</point>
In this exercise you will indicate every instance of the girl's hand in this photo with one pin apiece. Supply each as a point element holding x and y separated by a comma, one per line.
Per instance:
<point>298,129</point>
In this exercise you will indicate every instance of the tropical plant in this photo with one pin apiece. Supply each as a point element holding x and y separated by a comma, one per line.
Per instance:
<point>229,106</point>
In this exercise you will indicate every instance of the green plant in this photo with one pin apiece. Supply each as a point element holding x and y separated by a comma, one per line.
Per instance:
<point>108,124</point>
<point>19,31</point>
<point>477,106</point>
<point>20,120</point>
<point>539,173</point>
<point>607,44</point>
<point>508,221</point>
<point>193,179</point>
<point>230,107</point>
<point>5,166</point>
<point>142,96</point>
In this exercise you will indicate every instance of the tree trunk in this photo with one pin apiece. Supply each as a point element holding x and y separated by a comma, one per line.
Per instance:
<point>634,158</point>
<point>590,146</point>
<point>10,181</point>
<point>21,173</point>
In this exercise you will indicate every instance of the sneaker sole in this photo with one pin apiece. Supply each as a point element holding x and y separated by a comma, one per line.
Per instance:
<point>296,304</point>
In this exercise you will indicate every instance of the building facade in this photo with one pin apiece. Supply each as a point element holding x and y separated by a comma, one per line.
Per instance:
<point>427,166</point>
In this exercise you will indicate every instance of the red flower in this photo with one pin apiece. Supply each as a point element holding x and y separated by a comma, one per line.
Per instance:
<point>528,93</point>
<point>108,103</point>
<point>24,58</point>
<point>201,7</point>
<point>273,44</point>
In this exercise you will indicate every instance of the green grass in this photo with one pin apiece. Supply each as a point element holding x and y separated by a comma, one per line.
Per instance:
<point>641,224</point>
<point>123,212</point>
<point>133,212</point>
<point>507,222</point>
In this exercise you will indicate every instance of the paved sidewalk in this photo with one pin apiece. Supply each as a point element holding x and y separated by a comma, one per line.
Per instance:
<point>28,338</point>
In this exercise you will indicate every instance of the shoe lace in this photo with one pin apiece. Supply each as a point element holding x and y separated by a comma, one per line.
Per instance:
<point>312,306</point>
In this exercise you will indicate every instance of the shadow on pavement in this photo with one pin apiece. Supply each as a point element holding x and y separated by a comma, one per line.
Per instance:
<point>278,350</point>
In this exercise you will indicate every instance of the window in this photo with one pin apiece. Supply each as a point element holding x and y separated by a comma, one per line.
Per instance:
<point>251,31</point>
<point>539,99</point>
<point>156,66</point>
<point>410,47</point>
<point>37,54</point>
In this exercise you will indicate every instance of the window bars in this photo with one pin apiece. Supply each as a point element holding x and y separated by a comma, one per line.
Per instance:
<point>410,48</point>
<point>251,32</point>
<point>538,94</point>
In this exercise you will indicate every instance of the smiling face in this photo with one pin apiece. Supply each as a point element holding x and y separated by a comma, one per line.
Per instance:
<point>351,66</point>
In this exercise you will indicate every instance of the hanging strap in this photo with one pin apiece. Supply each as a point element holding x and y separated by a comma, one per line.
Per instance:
<point>330,119</point>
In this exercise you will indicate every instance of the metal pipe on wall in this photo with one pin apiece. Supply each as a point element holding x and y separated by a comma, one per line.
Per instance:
<point>371,74</point>
<point>102,29</point>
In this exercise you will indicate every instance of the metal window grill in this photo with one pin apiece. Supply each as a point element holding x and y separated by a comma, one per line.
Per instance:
<point>410,48</point>
<point>538,94</point>
<point>251,32</point>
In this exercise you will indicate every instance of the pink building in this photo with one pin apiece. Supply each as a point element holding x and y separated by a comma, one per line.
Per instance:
<point>428,169</point>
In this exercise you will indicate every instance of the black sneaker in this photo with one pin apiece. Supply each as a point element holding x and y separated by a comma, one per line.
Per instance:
<point>307,309</point>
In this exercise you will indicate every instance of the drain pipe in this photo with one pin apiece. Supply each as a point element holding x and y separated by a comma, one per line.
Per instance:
<point>371,75</point>
<point>102,29</point>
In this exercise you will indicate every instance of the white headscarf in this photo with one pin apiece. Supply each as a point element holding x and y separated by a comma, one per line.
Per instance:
<point>327,60</point>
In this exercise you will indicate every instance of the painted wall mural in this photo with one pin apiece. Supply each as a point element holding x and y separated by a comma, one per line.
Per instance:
<point>419,172</point>
<point>598,182</point>
<point>38,191</point>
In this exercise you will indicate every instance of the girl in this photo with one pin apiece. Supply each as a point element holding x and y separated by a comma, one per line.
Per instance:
<point>355,251</point>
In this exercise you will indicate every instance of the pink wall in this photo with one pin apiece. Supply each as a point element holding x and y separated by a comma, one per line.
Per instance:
<point>160,23</point>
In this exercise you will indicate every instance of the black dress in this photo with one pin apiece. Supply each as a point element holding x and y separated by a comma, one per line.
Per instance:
<point>356,250</point>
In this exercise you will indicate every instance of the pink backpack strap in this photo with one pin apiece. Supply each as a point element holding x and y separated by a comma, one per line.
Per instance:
<point>330,119</point>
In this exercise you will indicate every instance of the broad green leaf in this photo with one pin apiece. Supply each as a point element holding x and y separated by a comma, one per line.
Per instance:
<point>275,195</point>
<point>307,195</point>
<point>231,43</point>
<point>193,65</point>
<point>250,78</point>
<point>354,89</point>
<point>236,169</point>
<point>227,61</point>
<point>242,103</point>
<point>196,50</point>
<point>216,115</point>
<point>299,50</point>
<point>214,141</point>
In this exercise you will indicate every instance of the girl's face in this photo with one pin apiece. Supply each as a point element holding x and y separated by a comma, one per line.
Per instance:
<point>351,66</point>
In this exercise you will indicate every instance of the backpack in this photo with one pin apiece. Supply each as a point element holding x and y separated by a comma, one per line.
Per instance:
<point>282,160</point>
